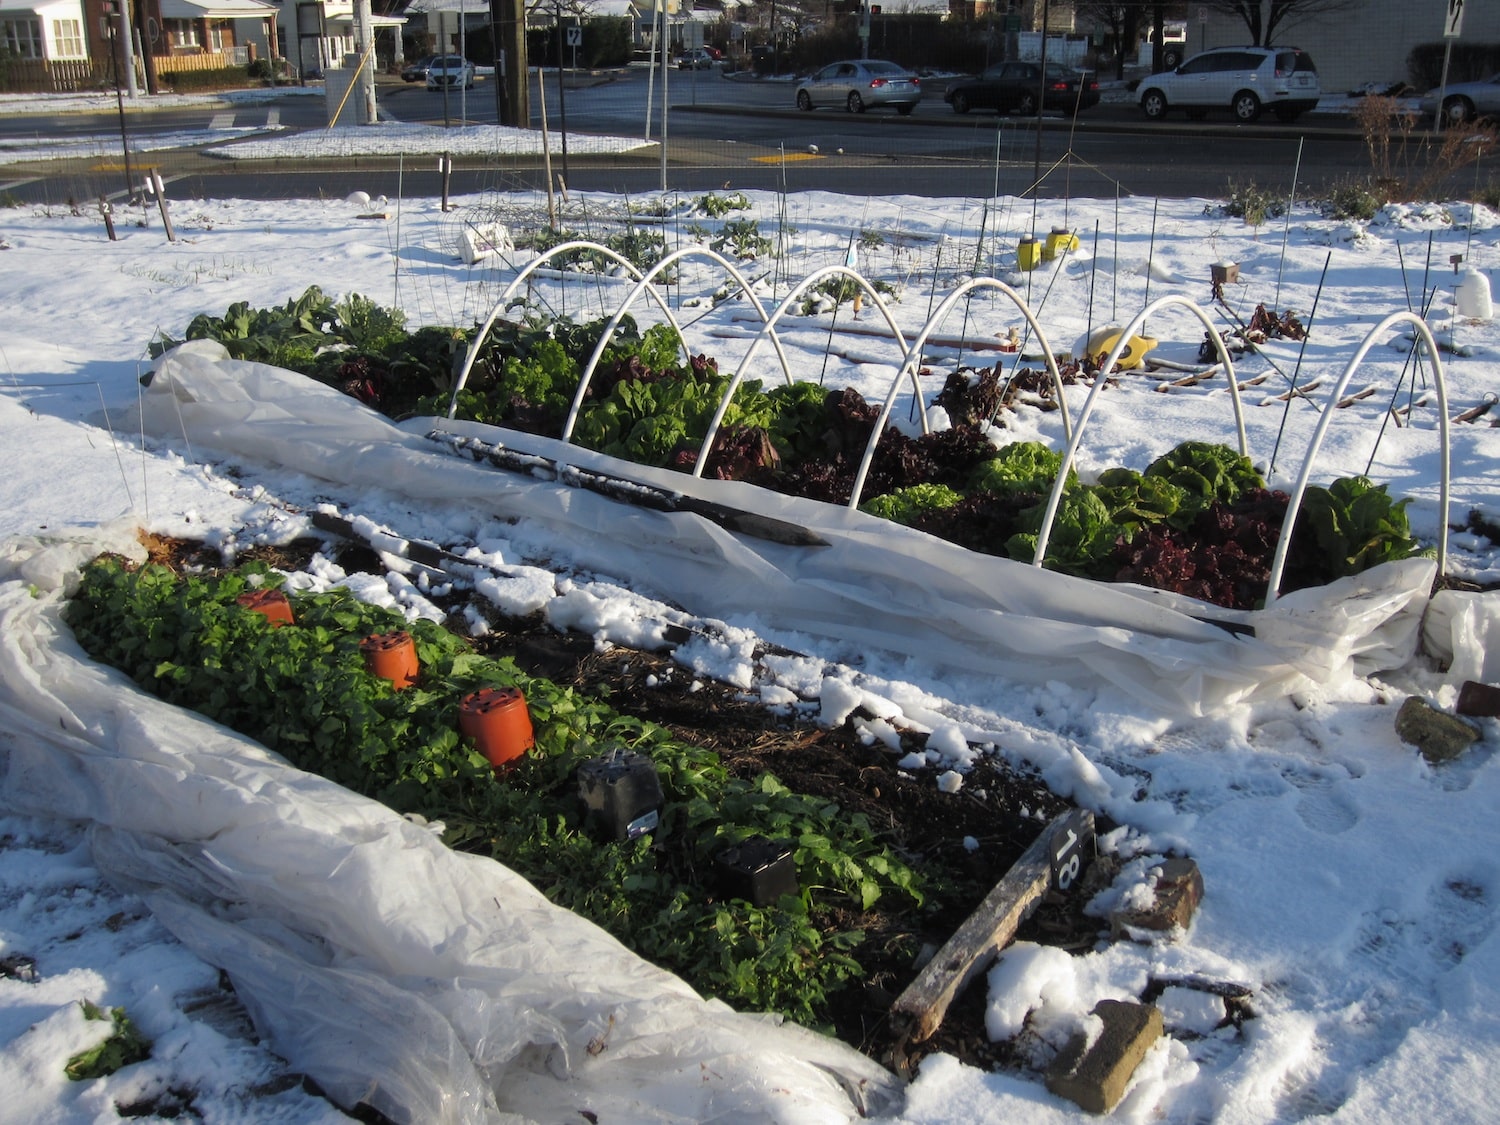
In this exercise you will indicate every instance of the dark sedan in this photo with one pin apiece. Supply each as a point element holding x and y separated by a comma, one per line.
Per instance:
<point>417,71</point>
<point>1013,87</point>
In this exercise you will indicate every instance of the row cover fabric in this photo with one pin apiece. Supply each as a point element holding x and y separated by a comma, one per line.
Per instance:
<point>876,585</point>
<point>432,986</point>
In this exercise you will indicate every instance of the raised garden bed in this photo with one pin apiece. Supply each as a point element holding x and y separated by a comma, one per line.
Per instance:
<point>880,854</point>
<point>1199,521</point>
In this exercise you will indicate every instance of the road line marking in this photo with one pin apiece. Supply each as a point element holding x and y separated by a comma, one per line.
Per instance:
<point>221,121</point>
<point>273,117</point>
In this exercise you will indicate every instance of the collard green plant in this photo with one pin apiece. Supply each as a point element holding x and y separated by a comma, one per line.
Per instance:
<point>124,1046</point>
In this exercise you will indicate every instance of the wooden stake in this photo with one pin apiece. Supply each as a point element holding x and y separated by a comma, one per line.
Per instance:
<point>161,204</point>
<point>920,1009</point>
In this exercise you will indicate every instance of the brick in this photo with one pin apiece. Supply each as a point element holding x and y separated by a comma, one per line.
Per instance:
<point>1179,891</point>
<point>1439,736</point>
<point>1479,699</point>
<point>1094,1075</point>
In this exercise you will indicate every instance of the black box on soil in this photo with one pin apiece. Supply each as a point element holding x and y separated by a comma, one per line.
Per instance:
<point>757,869</point>
<point>621,793</point>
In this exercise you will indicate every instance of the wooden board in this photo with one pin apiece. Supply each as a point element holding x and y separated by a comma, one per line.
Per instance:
<point>919,1010</point>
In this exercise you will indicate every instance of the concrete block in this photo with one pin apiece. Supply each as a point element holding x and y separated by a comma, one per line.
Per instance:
<point>1094,1075</point>
<point>1179,891</point>
<point>1439,736</point>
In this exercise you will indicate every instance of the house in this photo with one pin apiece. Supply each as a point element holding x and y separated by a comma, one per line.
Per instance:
<point>43,45</point>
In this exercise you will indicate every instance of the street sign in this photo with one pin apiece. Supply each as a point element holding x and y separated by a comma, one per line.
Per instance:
<point>1453,21</point>
<point>575,35</point>
<point>1202,15</point>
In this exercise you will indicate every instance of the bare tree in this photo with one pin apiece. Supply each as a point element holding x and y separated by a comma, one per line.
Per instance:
<point>1264,18</point>
<point>1122,19</point>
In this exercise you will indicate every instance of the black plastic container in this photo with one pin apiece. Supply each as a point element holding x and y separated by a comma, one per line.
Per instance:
<point>621,794</point>
<point>758,870</point>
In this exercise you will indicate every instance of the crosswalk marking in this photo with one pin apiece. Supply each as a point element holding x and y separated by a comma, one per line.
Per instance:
<point>273,117</point>
<point>221,121</point>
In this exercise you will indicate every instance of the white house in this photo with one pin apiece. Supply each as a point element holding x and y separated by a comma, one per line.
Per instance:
<point>43,29</point>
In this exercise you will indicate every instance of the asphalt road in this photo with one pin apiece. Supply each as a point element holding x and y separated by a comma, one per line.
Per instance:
<point>745,134</point>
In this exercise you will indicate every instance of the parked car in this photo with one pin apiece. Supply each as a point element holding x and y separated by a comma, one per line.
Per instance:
<point>1243,80</point>
<point>698,58</point>
<point>450,70</point>
<point>1010,86</point>
<point>859,84</point>
<point>1465,101</point>
<point>417,71</point>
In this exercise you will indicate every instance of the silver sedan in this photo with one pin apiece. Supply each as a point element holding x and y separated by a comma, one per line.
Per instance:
<point>859,84</point>
<point>1465,101</point>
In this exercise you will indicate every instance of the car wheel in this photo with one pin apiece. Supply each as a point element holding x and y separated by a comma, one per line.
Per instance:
<point>905,110</point>
<point>1171,59</point>
<point>1457,110</point>
<point>1154,104</point>
<point>804,100</point>
<point>960,103</point>
<point>1027,105</point>
<point>855,104</point>
<point>1246,106</point>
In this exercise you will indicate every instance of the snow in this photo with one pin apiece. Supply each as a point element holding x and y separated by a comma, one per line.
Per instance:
<point>1350,886</point>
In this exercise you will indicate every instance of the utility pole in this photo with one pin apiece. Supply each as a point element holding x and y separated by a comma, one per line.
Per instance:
<point>127,41</point>
<point>364,43</point>
<point>153,86</point>
<point>512,97</point>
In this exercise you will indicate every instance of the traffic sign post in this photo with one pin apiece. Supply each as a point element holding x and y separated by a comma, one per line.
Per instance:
<point>1453,26</point>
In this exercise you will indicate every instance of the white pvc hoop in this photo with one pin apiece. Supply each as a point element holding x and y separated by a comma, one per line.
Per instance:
<point>1283,543</point>
<point>1055,498</point>
<point>645,282</point>
<point>770,328</point>
<point>510,291</point>
<point>913,354</point>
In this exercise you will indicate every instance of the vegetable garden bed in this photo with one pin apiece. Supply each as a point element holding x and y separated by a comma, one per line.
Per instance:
<point>1199,521</point>
<point>880,855</point>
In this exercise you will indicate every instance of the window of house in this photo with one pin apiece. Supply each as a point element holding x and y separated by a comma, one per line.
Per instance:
<point>23,37</point>
<point>219,36</point>
<point>183,33</point>
<point>68,36</point>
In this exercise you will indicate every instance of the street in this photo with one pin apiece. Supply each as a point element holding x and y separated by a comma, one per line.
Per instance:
<point>743,134</point>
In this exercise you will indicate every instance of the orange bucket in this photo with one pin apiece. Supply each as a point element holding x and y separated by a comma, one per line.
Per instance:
<point>270,604</point>
<point>498,722</point>
<point>392,656</point>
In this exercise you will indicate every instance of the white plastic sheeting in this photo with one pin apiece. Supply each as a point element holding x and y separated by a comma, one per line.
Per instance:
<point>875,585</point>
<point>432,986</point>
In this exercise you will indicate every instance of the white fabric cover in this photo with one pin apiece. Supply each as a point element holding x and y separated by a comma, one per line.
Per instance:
<point>435,986</point>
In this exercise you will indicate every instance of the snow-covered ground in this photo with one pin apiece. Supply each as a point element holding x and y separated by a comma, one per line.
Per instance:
<point>1351,886</point>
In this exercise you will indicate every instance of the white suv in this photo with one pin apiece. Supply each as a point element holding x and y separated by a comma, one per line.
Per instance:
<point>1243,80</point>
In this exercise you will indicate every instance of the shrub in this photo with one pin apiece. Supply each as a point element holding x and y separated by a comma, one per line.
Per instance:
<point>1356,199</point>
<point>1253,204</point>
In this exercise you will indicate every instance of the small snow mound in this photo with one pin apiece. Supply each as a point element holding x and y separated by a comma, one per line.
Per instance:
<point>1029,977</point>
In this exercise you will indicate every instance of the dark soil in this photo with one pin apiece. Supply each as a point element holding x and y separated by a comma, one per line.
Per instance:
<point>999,809</point>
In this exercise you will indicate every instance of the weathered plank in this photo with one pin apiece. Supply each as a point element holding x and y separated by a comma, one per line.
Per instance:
<point>919,1010</point>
